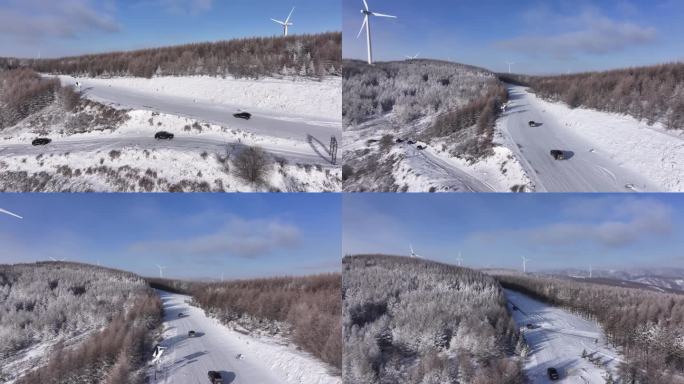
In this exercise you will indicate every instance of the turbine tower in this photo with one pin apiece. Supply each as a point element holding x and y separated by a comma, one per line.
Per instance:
<point>413,57</point>
<point>161,270</point>
<point>590,271</point>
<point>10,213</point>
<point>525,260</point>
<point>413,254</point>
<point>286,24</point>
<point>509,66</point>
<point>366,23</point>
<point>459,259</point>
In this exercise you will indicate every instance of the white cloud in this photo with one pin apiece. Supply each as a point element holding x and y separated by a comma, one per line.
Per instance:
<point>34,20</point>
<point>238,237</point>
<point>622,222</point>
<point>588,33</point>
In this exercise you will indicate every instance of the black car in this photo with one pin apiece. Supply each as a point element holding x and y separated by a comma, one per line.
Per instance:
<point>531,326</point>
<point>534,124</point>
<point>215,377</point>
<point>192,333</point>
<point>180,314</point>
<point>243,115</point>
<point>421,147</point>
<point>515,308</point>
<point>163,135</point>
<point>553,373</point>
<point>557,154</point>
<point>41,141</point>
<point>399,140</point>
<point>411,142</point>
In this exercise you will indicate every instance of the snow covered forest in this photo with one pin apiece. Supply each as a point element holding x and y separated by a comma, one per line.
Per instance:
<point>306,309</point>
<point>654,94</point>
<point>410,90</point>
<point>313,55</point>
<point>417,321</point>
<point>649,326</point>
<point>23,92</point>
<point>74,323</point>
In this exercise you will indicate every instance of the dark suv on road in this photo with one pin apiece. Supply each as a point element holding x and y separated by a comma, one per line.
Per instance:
<point>243,115</point>
<point>41,141</point>
<point>163,135</point>
<point>215,377</point>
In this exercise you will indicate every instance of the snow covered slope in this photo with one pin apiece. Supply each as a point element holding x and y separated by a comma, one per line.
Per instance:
<point>558,340</point>
<point>606,152</point>
<point>241,359</point>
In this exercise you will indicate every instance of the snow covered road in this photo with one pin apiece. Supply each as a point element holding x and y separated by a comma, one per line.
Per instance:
<point>241,359</point>
<point>181,143</point>
<point>558,339</point>
<point>586,169</point>
<point>264,123</point>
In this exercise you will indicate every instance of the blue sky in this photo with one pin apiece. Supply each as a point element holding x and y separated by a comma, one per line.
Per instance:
<point>194,235</point>
<point>540,36</point>
<point>70,27</point>
<point>496,230</point>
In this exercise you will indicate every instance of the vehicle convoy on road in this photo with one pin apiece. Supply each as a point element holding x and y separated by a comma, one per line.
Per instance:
<point>243,115</point>
<point>163,135</point>
<point>215,377</point>
<point>41,141</point>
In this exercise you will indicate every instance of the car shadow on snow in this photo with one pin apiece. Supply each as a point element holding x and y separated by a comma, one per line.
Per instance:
<point>567,155</point>
<point>228,377</point>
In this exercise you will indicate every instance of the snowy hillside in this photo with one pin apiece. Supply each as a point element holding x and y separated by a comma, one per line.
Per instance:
<point>50,307</point>
<point>416,321</point>
<point>425,125</point>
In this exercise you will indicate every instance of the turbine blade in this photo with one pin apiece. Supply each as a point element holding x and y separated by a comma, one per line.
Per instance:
<point>10,213</point>
<point>278,21</point>
<point>288,16</point>
<point>366,5</point>
<point>383,15</point>
<point>365,22</point>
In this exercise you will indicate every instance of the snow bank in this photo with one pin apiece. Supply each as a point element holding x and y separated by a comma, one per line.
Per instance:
<point>650,151</point>
<point>300,97</point>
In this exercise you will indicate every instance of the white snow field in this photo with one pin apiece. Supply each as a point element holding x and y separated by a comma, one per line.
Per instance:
<point>558,339</point>
<point>606,152</point>
<point>240,358</point>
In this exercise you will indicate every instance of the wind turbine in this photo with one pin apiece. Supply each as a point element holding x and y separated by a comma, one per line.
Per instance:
<point>161,269</point>
<point>413,57</point>
<point>459,259</point>
<point>366,23</point>
<point>525,260</point>
<point>509,66</point>
<point>285,23</point>
<point>56,260</point>
<point>10,213</point>
<point>413,254</point>
<point>590,271</point>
